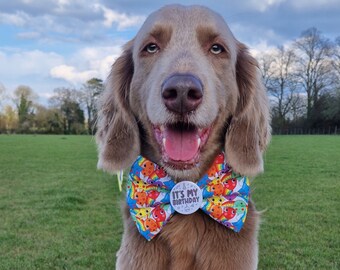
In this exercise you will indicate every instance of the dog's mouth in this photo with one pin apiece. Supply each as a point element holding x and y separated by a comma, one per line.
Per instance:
<point>181,143</point>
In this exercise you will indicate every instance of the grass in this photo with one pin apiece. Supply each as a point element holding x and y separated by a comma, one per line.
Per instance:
<point>300,193</point>
<point>58,212</point>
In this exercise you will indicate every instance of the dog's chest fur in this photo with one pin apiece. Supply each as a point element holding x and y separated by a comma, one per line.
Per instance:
<point>201,243</point>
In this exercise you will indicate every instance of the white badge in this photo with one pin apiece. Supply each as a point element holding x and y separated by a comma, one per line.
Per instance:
<point>186,197</point>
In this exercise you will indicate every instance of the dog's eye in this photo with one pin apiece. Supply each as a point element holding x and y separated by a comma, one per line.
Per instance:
<point>151,48</point>
<point>217,49</point>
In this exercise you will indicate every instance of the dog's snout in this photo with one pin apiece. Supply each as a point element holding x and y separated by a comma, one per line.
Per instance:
<point>182,93</point>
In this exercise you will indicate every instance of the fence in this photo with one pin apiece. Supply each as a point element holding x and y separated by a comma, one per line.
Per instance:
<point>303,131</point>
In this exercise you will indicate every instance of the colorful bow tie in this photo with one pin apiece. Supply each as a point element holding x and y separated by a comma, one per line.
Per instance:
<point>153,197</point>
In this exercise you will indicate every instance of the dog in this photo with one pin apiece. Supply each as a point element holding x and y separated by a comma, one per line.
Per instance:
<point>184,90</point>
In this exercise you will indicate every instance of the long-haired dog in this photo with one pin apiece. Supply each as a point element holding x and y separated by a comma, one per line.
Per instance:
<point>183,91</point>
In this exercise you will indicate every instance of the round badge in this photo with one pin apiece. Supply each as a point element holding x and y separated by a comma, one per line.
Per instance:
<point>186,197</point>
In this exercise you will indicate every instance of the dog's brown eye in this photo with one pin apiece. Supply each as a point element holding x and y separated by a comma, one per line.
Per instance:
<point>151,48</point>
<point>217,49</point>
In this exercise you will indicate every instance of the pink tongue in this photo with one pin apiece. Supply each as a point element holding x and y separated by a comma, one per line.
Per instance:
<point>181,145</point>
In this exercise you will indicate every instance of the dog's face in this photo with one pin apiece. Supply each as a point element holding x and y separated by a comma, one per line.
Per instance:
<point>184,90</point>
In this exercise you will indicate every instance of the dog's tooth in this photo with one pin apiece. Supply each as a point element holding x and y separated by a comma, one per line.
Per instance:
<point>199,141</point>
<point>161,127</point>
<point>164,141</point>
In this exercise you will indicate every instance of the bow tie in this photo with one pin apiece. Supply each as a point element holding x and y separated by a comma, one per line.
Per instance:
<point>153,197</point>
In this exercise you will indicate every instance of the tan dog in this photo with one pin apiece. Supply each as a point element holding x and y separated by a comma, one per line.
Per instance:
<point>184,90</point>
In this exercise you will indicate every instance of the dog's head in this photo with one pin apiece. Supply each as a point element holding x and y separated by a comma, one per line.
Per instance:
<point>183,90</point>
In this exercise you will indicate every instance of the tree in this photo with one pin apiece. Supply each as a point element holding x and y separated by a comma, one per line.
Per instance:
<point>2,95</point>
<point>2,117</point>
<point>332,110</point>
<point>298,107</point>
<point>48,120</point>
<point>23,99</point>
<point>89,95</point>
<point>11,118</point>
<point>67,102</point>
<point>336,58</point>
<point>279,78</point>
<point>266,61</point>
<point>313,65</point>
<point>283,84</point>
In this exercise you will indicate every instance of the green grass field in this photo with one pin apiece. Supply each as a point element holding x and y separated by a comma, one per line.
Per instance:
<point>58,212</point>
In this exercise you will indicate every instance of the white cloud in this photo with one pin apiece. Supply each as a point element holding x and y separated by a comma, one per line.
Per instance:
<point>68,18</point>
<point>16,63</point>
<point>29,35</point>
<point>32,68</point>
<point>254,34</point>
<point>261,47</point>
<point>45,71</point>
<point>98,58</point>
<point>263,5</point>
<point>122,19</point>
<point>63,2</point>
<point>72,74</point>
<point>17,19</point>
<point>312,4</point>
<point>87,63</point>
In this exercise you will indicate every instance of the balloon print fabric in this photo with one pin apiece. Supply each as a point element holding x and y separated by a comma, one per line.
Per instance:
<point>225,196</point>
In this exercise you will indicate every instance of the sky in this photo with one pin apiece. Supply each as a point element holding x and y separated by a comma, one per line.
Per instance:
<point>47,44</point>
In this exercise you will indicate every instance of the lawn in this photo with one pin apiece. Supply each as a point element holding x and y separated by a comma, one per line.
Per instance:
<point>58,212</point>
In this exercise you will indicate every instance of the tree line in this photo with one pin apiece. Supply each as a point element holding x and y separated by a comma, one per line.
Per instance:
<point>70,111</point>
<point>303,84</point>
<point>302,79</point>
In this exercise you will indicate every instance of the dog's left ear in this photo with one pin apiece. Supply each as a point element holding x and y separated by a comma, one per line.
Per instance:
<point>249,130</point>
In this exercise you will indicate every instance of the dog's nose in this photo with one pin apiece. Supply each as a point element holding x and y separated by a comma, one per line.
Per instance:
<point>182,93</point>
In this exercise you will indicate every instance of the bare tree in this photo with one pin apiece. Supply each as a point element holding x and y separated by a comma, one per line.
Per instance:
<point>313,65</point>
<point>62,95</point>
<point>266,61</point>
<point>283,82</point>
<point>2,95</point>
<point>89,95</point>
<point>298,107</point>
<point>279,78</point>
<point>336,58</point>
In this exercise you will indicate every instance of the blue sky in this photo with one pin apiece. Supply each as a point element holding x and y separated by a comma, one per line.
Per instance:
<point>52,43</point>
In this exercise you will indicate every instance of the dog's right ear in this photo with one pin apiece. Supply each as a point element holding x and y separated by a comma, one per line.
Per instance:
<point>117,131</point>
